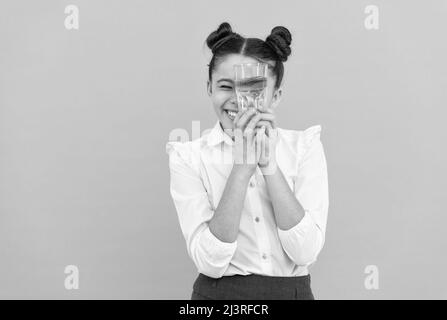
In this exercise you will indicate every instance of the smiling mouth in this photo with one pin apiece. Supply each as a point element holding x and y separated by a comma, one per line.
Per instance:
<point>231,114</point>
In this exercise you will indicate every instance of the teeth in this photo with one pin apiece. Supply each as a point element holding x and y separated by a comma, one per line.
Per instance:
<point>232,114</point>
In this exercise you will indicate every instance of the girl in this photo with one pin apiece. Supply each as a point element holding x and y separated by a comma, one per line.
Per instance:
<point>252,228</point>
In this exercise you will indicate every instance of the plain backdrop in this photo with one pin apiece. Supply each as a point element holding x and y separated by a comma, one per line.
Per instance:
<point>85,115</point>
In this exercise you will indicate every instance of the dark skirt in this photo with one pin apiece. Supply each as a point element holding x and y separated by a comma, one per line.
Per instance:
<point>252,287</point>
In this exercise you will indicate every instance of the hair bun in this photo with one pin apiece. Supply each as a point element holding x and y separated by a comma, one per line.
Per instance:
<point>216,38</point>
<point>280,40</point>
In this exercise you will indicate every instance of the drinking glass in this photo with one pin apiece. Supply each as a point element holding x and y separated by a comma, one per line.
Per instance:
<point>250,84</point>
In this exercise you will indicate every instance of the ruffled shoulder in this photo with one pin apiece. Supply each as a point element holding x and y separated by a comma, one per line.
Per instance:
<point>307,139</point>
<point>177,149</point>
<point>184,154</point>
<point>172,146</point>
<point>311,135</point>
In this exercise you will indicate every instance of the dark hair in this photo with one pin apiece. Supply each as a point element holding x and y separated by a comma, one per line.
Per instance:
<point>276,47</point>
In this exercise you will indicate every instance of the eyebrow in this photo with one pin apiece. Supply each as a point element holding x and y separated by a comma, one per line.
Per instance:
<point>222,80</point>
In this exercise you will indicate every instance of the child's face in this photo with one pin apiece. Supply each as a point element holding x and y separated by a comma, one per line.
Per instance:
<point>222,91</point>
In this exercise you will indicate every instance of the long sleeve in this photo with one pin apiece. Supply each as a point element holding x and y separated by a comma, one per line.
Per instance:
<point>304,241</point>
<point>210,255</point>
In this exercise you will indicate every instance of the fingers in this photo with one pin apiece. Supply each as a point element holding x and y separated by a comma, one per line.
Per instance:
<point>260,137</point>
<point>268,110</point>
<point>260,116</point>
<point>250,135</point>
<point>264,123</point>
<point>271,111</point>
<point>272,133</point>
<point>242,117</point>
<point>259,133</point>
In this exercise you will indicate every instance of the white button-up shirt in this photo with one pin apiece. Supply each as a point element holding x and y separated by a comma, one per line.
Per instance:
<point>199,170</point>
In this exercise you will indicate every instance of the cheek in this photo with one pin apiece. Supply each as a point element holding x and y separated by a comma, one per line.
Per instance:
<point>269,96</point>
<point>220,98</point>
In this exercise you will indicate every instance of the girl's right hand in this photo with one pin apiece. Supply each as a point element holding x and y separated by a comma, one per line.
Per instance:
<point>245,155</point>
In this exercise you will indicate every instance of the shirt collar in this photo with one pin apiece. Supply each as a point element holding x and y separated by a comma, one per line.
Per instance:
<point>217,135</point>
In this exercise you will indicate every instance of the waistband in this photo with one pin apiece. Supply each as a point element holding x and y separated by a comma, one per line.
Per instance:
<point>254,287</point>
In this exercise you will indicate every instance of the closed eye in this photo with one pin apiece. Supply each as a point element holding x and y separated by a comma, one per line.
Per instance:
<point>227,87</point>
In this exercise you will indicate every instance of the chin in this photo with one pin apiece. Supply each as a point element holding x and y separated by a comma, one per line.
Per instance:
<point>226,123</point>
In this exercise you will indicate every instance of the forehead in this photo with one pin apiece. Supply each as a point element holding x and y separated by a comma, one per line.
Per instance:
<point>224,68</point>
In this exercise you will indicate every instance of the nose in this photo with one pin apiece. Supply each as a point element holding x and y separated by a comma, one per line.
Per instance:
<point>233,99</point>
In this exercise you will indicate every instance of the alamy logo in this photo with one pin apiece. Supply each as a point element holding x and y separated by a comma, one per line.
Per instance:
<point>372,278</point>
<point>72,278</point>
<point>72,20</point>
<point>372,20</point>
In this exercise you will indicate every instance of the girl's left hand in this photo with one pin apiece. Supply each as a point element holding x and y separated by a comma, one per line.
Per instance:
<point>263,117</point>
<point>266,142</point>
<point>266,138</point>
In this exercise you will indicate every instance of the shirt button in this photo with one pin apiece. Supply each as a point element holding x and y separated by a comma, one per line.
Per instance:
<point>264,256</point>
<point>257,219</point>
<point>252,184</point>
